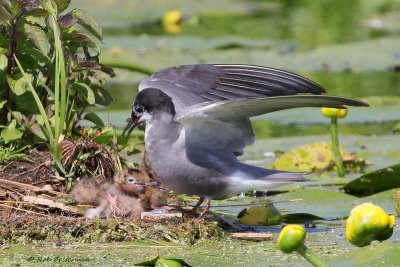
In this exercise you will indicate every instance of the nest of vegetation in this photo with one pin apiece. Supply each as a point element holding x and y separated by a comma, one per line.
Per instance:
<point>82,157</point>
<point>35,205</point>
<point>61,230</point>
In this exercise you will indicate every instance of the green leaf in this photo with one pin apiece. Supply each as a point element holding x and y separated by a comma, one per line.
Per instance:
<point>4,15</point>
<point>11,133</point>
<point>376,254</point>
<point>36,12</point>
<point>87,22</point>
<point>39,131</point>
<point>3,62</point>
<point>18,84</point>
<point>93,117</point>
<point>87,92</point>
<point>103,97</point>
<point>2,103</point>
<point>36,20</point>
<point>62,5</point>
<point>154,261</point>
<point>38,37</point>
<point>301,218</point>
<point>84,40</point>
<point>374,182</point>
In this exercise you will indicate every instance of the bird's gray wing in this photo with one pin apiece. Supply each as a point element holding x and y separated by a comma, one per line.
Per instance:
<point>232,110</point>
<point>189,85</point>
<point>213,127</point>
<point>192,85</point>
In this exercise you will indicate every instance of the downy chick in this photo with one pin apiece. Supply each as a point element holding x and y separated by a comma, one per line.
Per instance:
<point>136,183</point>
<point>109,199</point>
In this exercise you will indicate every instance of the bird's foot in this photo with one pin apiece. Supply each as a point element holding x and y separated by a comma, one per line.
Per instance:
<point>113,200</point>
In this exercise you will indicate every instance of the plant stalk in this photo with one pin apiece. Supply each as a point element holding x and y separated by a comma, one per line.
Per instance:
<point>10,64</point>
<point>336,147</point>
<point>311,257</point>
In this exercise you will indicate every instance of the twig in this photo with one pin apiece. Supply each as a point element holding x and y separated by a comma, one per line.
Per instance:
<point>33,169</point>
<point>32,187</point>
<point>6,166</point>
<point>50,203</point>
<point>27,211</point>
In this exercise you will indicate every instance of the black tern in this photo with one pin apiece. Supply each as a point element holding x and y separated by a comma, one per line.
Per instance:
<point>197,123</point>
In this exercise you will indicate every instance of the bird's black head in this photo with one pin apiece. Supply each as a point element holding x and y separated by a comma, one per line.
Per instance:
<point>148,101</point>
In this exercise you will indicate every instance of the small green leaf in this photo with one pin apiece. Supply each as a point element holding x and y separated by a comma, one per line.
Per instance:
<point>38,37</point>
<point>4,15</point>
<point>87,22</point>
<point>169,261</point>
<point>2,103</point>
<point>36,20</point>
<point>3,62</point>
<point>11,133</point>
<point>62,5</point>
<point>84,40</point>
<point>39,131</point>
<point>103,97</point>
<point>93,117</point>
<point>18,84</point>
<point>37,12</point>
<point>87,91</point>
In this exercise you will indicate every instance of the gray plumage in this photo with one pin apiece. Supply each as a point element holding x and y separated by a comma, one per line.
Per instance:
<point>197,123</point>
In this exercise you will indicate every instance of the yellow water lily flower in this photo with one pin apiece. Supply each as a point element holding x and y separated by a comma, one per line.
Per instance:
<point>368,222</point>
<point>334,112</point>
<point>291,238</point>
<point>171,21</point>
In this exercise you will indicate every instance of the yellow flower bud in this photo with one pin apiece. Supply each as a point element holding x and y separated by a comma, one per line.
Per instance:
<point>291,238</point>
<point>368,222</point>
<point>260,215</point>
<point>171,21</point>
<point>334,112</point>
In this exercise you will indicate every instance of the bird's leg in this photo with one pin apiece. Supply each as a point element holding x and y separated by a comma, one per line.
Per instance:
<point>195,207</point>
<point>206,209</point>
<point>113,204</point>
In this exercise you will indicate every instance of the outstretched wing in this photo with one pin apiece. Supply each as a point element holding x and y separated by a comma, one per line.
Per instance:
<point>210,127</point>
<point>189,85</point>
<point>247,108</point>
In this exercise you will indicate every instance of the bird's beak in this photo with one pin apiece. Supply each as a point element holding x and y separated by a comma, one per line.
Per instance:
<point>133,121</point>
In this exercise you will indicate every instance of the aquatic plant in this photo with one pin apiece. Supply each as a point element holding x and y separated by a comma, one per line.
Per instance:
<point>291,239</point>
<point>368,222</point>
<point>334,114</point>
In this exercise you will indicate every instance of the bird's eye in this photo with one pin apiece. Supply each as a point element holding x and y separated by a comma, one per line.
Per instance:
<point>130,180</point>
<point>139,110</point>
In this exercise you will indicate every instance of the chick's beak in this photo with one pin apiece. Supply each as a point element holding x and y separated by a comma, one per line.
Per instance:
<point>133,121</point>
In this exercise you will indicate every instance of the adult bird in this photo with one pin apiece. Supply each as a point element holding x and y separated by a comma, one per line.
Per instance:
<point>197,124</point>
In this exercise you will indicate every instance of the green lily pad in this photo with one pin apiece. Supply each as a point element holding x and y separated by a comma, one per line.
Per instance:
<point>374,182</point>
<point>163,261</point>
<point>310,157</point>
<point>377,254</point>
<point>318,202</point>
<point>301,218</point>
